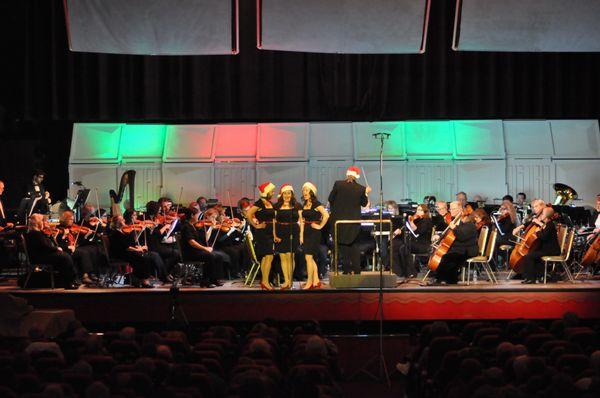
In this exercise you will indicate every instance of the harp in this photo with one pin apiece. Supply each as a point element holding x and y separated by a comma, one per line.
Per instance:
<point>127,180</point>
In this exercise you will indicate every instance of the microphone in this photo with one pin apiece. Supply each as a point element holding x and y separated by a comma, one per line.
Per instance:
<point>384,136</point>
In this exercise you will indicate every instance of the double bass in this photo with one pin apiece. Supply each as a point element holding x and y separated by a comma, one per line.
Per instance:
<point>446,240</point>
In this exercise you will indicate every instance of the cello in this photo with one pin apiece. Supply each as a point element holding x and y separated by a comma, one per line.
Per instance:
<point>446,240</point>
<point>592,254</point>
<point>527,243</point>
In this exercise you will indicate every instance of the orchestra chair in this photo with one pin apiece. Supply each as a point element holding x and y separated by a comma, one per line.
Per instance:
<point>481,242</point>
<point>418,258</point>
<point>32,267</point>
<point>564,257</point>
<point>485,258</point>
<point>117,268</point>
<point>255,267</point>
<point>187,265</point>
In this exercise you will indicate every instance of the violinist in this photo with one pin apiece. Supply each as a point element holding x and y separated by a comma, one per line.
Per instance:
<point>91,220</point>
<point>195,248</point>
<point>125,245</point>
<point>463,247</point>
<point>88,259</point>
<point>417,232</point>
<point>43,250</point>
<point>161,240</point>
<point>443,217</point>
<point>481,219</point>
<point>533,267</point>
<point>213,233</point>
<point>141,230</point>
<point>260,216</point>
<point>286,231</point>
<point>506,222</point>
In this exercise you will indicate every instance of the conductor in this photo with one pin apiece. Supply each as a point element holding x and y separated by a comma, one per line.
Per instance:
<point>346,199</point>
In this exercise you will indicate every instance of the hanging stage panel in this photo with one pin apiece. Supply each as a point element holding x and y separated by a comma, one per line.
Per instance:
<point>153,27</point>
<point>343,26</point>
<point>527,25</point>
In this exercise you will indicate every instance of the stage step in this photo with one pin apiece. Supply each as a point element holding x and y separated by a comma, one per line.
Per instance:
<point>368,279</point>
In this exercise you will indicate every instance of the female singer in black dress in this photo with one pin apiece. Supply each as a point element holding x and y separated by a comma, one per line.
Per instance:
<point>286,231</point>
<point>417,241</point>
<point>261,216</point>
<point>314,218</point>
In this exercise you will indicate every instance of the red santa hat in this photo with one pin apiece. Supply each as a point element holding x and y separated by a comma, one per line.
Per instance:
<point>310,186</point>
<point>286,187</point>
<point>265,188</point>
<point>353,171</point>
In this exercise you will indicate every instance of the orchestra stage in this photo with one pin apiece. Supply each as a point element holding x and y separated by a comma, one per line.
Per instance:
<point>409,301</point>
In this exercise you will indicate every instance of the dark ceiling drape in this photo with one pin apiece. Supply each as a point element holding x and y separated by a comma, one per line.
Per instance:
<point>44,87</point>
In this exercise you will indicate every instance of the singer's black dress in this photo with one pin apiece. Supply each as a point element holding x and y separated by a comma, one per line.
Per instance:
<point>288,229</point>
<point>312,237</point>
<point>263,238</point>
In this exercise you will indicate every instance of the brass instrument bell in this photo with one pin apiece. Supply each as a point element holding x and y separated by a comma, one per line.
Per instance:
<point>564,193</point>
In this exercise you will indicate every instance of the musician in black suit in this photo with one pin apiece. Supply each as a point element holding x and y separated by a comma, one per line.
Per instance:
<point>346,199</point>
<point>43,250</point>
<point>533,267</point>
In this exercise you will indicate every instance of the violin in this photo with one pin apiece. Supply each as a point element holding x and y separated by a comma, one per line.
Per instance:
<point>133,227</point>
<point>80,229</point>
<point>503,216</point>
<point>412,218</point>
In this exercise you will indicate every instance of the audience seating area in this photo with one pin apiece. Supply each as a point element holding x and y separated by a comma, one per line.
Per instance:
<point>513,359</point>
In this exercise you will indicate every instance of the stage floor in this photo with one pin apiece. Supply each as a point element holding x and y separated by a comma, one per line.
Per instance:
<point>409,301</point>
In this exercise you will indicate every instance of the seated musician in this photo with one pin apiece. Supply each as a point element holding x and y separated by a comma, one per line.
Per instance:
<point>533,267</point>
<point>442,219</point>
<point>417,240</point>
<point>88,259</point>
<point>222,236</point>
<point>3,221</point>
<point>537,206</point>
<point>161,239</point>
<point>481,219</point>
<point>464,246</point>
<point>195,248</point>
<point>125,245</point>
<point>506,222</point>
<point>43,250</point>
<point>595,219</point>
<point>462,198</point>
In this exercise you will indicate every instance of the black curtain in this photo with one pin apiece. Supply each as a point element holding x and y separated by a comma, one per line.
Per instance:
<point>44,87</point>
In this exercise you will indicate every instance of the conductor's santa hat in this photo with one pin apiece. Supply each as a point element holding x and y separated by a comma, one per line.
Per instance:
<point>265,188</point>
<point>353,171</point>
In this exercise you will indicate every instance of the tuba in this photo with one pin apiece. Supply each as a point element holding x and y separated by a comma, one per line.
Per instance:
<point>564,193</point>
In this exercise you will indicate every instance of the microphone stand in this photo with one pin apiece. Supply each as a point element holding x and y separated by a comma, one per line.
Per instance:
<point>383,374</point>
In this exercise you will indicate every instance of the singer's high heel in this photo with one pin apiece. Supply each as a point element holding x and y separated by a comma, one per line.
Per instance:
<point>265,287</point>
<point>317,286</point>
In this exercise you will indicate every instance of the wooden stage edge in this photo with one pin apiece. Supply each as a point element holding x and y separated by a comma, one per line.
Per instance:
<point>409,301</point>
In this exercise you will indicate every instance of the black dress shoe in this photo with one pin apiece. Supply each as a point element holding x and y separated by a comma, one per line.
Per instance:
<point>216,282</point>
<point>72,286</point>
<point>528,281</point>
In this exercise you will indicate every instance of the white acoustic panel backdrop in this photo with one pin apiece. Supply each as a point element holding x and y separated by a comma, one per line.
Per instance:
<point>534,177</point>
<point>294,173</point>
<point>189,143</point>
<point>148,182</point>
<point>331,141</point>
<point>479,139</point>
<point>581,175</point>
<point>429,140</point>
<point>235,180</point>
<point>142,143</point>
<point>367,147</point>
<point>343,26</point>
<point>430,178</point>
<point>394,180</point>
<point>282,141</point>
<point>95,143</point>
<point>486,178</point>
<point>235,142</point>
<point>152,27</point>
<point>576,138</point>
<point>528,138</point>
<point>102,177</point>
<point>325,173</point>
<point>528,25</point>
<point>195,178</point>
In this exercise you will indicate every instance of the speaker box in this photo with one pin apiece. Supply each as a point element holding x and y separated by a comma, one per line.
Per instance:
<point>367,279</point>
<point>41,280</point>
